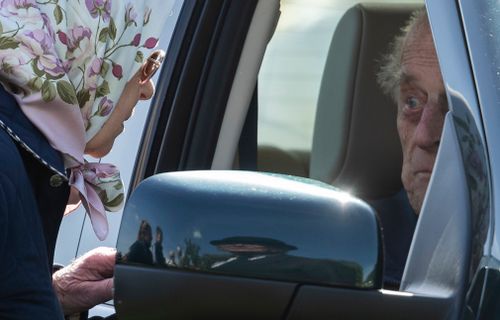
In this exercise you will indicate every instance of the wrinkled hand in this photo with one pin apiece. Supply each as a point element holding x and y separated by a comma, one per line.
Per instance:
<point>87,281</point>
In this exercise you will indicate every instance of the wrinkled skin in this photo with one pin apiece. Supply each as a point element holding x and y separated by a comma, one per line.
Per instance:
<point>86,282</point>
<point>422,106</point>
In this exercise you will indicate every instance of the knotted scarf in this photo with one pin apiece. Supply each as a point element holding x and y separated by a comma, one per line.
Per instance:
<point>67,63</point>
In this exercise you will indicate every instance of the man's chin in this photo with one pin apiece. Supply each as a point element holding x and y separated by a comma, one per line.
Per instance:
<point>416,204</point>
<point>416,197</point>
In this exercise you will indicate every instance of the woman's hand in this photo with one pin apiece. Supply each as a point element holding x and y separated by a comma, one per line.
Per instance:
<point>87,281</point>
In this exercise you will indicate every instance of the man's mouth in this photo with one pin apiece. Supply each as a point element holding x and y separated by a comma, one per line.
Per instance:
<point>422,177</point>
<point>423,172</point>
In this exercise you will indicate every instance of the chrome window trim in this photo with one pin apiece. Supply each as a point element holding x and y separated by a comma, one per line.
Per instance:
<point>489,105</point>
<point>452,52</point>
<point>461,88</point>
<point>438,260</point>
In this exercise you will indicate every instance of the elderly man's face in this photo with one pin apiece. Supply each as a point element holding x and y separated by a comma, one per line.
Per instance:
<point>422,106</point>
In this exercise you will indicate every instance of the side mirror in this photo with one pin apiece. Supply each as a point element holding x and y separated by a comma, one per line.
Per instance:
<point>243,236</point>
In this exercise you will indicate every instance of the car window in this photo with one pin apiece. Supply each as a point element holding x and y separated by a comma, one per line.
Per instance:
<point>289,85</point>
<point>287,96</point>
<point>291,72</point>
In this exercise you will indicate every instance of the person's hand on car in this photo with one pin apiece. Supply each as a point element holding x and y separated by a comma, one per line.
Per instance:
<point>87,281</point>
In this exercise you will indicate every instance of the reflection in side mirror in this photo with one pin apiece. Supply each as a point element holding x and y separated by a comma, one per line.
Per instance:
<point>244,225</point>
<point>252,225</point>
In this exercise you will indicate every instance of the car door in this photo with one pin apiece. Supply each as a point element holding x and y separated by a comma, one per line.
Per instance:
<point>197,122</point>
<point>481,29</point>
<point>201,109</point>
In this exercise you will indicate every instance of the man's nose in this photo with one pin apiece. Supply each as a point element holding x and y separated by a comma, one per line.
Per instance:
<point>146,90</point>
<point>430,127</point>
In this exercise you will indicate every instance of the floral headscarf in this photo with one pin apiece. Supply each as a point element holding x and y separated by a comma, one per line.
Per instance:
<point>67,63</point>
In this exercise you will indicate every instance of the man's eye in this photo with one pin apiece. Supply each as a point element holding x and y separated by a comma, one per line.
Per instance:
<point>412,102</point>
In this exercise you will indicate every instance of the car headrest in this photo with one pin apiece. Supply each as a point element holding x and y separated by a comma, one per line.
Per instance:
<point>355,143</point>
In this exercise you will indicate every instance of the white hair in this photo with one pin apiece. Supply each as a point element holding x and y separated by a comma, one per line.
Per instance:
<point>389,75</point>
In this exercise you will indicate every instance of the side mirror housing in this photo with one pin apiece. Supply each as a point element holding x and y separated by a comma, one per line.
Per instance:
<point>247,226</point>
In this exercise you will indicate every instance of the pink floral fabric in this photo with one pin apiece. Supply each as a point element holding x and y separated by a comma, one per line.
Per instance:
<point>67,63</point>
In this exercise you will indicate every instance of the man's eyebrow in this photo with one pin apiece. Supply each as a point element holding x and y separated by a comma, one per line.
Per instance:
<point>407,78</point>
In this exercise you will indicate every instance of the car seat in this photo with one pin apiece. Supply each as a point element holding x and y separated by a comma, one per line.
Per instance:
<point>355,144</point>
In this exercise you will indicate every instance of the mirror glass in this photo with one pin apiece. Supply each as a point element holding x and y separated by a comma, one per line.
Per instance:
<point>251,224</point>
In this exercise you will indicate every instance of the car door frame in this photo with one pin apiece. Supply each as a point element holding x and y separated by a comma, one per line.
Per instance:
<point>196,87</point>
<point>187,114</point>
